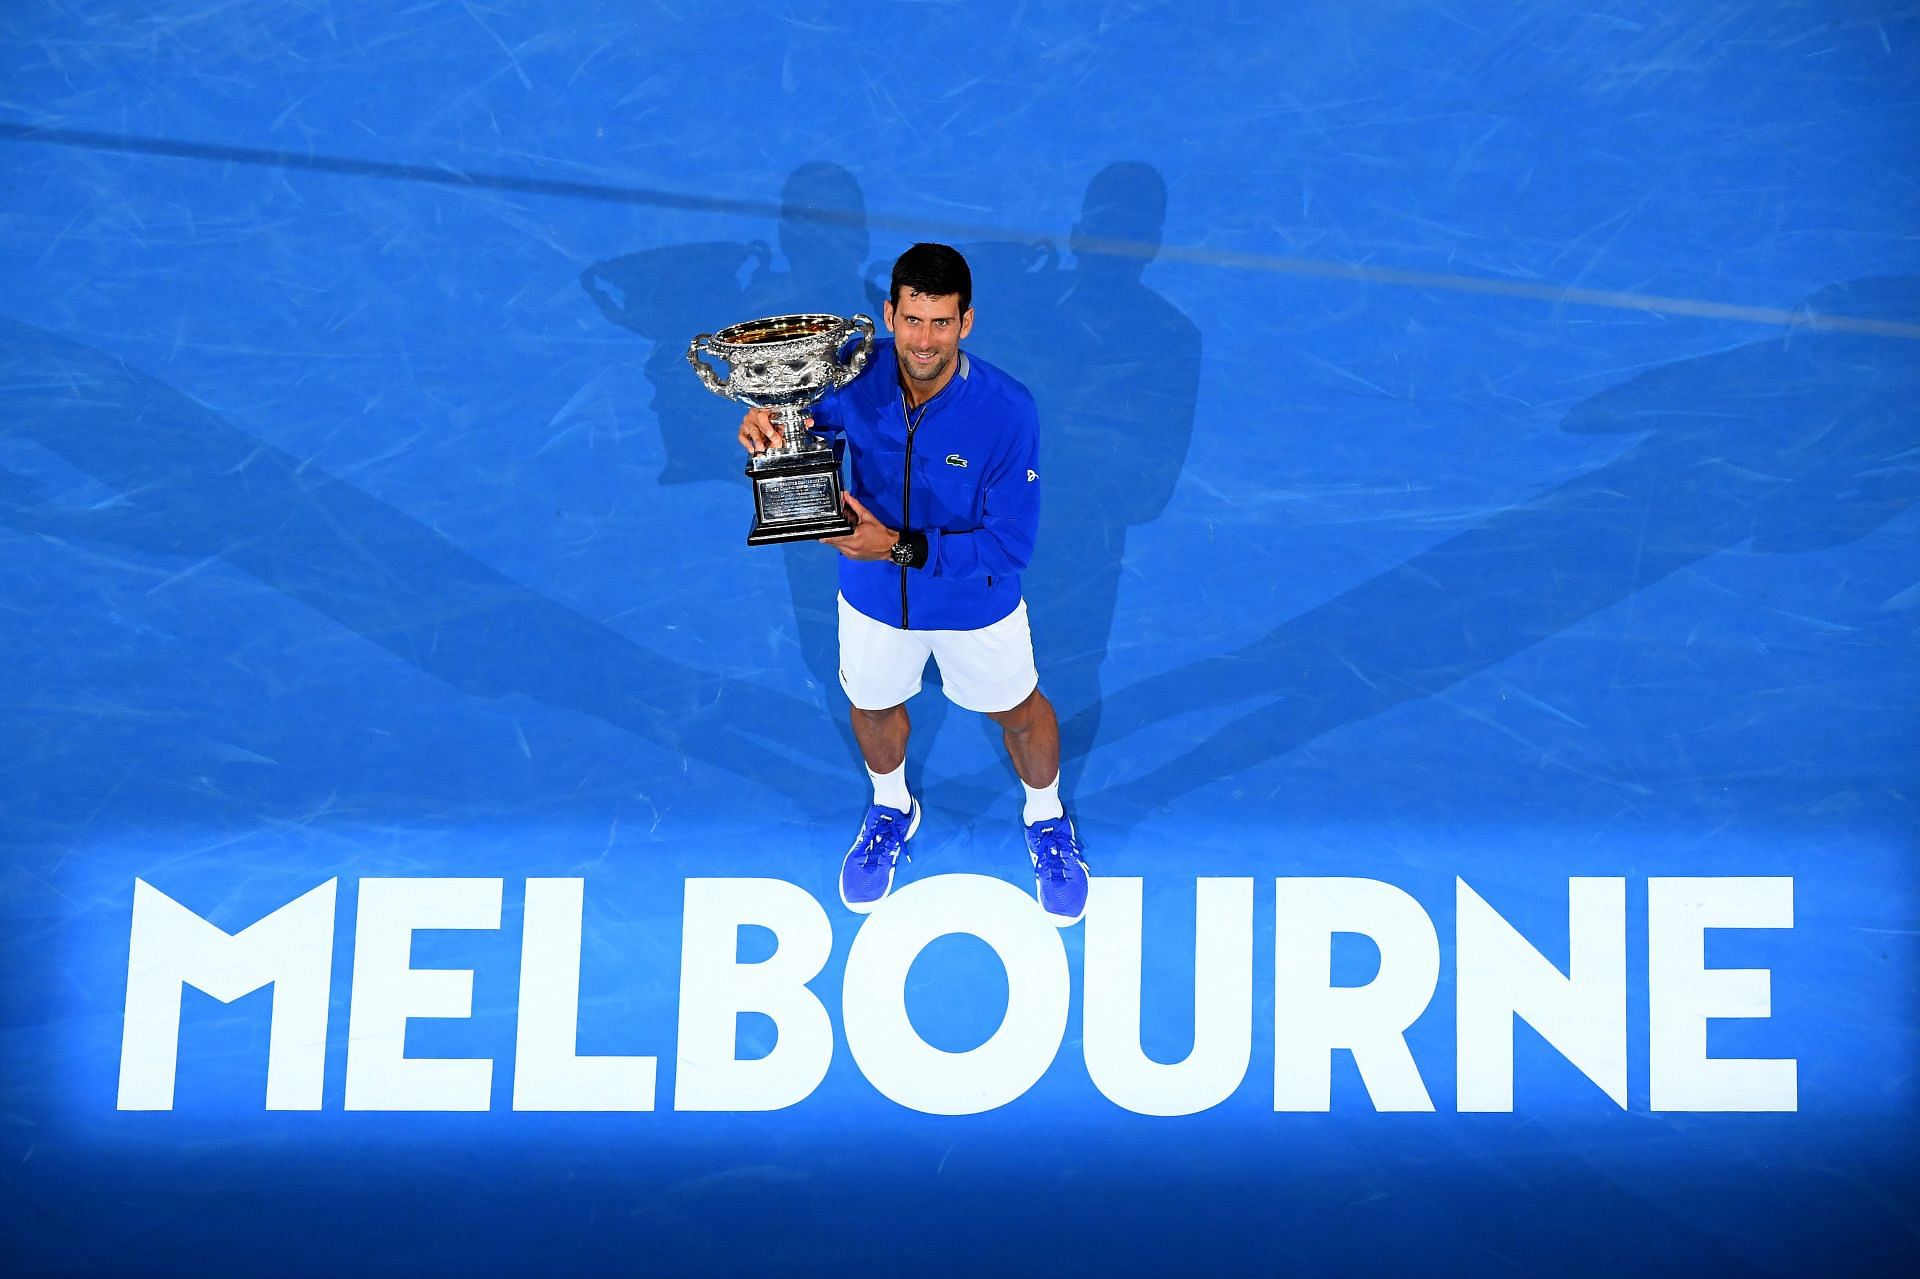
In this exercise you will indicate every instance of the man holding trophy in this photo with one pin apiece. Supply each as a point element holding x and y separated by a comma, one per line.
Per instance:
<point>944,504</point>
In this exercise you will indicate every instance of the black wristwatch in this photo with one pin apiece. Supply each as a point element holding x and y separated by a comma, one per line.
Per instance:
<point>910,551</point>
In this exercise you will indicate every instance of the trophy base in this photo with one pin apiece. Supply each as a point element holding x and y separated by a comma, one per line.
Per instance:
<point>773,534</point>
<point>797,500</point>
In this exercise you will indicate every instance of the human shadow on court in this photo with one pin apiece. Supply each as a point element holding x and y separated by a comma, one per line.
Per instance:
<point>192,484</point>
<point>1799,442</point>
<point>1113,364</point>
<point>669,294</point>
<point>1115,369</point>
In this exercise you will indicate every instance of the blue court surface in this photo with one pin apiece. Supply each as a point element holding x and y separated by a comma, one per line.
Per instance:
<point>1479,581</point>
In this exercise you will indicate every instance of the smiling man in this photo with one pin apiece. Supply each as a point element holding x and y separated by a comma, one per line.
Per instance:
<point>944,483</point>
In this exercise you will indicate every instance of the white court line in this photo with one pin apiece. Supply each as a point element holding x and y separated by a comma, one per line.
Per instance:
<point>1536,291</point>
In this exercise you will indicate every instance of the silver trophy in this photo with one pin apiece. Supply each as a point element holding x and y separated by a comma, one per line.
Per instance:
<point>788,363</point>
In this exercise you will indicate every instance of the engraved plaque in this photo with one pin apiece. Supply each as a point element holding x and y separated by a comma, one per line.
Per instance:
<point>788,499</point>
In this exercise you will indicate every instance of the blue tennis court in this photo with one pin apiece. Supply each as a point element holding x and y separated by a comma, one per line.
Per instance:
<point>1478,579</point>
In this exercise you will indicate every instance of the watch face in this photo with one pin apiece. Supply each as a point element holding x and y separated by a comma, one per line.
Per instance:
<point>901,553</point>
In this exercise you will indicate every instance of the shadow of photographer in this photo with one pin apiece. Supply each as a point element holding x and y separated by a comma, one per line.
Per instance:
<point>192,484</point>
<point>1800,442</point>
<point>1115,368</point>
<point>670,293</point>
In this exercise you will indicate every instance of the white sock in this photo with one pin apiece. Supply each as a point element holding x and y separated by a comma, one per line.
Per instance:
<point>891,789</point>
<point>1043,802</point>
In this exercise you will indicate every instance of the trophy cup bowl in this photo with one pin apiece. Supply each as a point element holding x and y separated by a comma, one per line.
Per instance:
<point>789,363</point>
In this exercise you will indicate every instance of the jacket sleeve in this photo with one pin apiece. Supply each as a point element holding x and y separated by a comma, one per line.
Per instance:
<point>829,415</point>
<point>1010,520</point>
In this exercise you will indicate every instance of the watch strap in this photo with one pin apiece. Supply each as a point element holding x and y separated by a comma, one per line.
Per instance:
<point>911,550</point>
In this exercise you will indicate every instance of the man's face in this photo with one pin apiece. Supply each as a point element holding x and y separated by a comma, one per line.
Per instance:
<point>927,329</point>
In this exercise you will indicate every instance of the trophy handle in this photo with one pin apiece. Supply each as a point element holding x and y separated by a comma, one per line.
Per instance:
<point>712,379</point>
<point>860,326</point>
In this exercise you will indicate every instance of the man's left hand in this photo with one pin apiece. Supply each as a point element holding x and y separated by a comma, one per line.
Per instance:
<point>870,539</point>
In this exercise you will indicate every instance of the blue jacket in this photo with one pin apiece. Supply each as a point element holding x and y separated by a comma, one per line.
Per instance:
<point>968,478</point>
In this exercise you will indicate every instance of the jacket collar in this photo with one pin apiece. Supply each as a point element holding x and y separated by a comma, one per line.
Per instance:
<point>885,380</point>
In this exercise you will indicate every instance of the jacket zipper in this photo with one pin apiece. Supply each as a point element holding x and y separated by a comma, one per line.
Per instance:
<point>906,498</point>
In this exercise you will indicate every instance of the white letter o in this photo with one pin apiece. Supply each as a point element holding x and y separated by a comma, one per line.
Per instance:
<point>891,1054</point>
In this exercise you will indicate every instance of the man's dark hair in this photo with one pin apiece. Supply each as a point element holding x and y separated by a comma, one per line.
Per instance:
<point>935,270</point>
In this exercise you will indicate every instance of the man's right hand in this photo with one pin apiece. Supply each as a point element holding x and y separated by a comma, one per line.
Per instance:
<point>758,433</point>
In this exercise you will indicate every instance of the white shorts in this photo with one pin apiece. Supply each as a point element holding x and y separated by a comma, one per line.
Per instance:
<point>990,669</point>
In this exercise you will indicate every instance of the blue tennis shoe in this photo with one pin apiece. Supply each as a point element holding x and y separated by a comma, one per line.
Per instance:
<point>1059,870</point>
<point>866,876</point>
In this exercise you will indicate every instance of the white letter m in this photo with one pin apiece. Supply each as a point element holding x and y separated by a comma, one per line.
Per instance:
<point>172,947</point>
